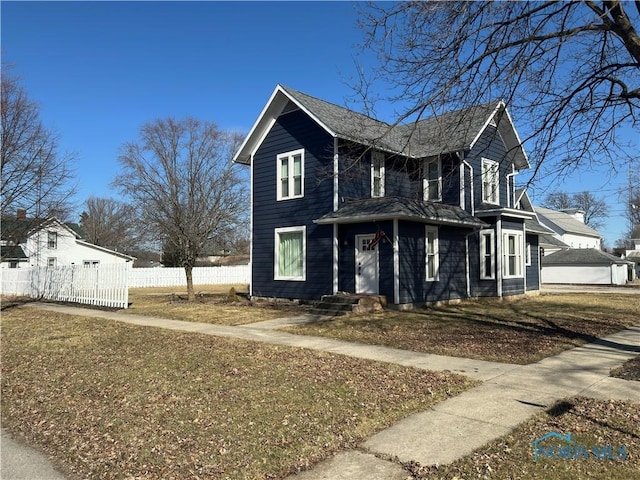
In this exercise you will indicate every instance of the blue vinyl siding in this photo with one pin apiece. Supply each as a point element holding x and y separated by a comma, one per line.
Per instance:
<point>347,262</point>
<point>452,279</point>
<point>533,270</point>
<point>490,146</point>
<point>293,131</point>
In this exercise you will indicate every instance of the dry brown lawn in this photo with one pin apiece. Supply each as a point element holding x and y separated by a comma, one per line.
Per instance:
<point>213,305</point>
<point>516,331</point>
<point>112,400</point>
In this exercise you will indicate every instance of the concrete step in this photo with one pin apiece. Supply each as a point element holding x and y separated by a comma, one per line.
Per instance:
<point>344,303</point>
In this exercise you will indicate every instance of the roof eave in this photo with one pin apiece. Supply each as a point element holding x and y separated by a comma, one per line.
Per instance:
<point>273,108</point>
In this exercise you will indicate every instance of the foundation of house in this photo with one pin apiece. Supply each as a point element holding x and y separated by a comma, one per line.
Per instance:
<point>344,303</point>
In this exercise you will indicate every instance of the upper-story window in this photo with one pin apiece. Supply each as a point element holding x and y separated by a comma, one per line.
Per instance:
<point>291,175</point>
<point>490,181</point>
<point>52,240</point>
<point>377,174</point>
<point>432,183</point>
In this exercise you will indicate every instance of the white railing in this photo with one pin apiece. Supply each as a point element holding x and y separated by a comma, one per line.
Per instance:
<point>175,277</point>
<point>101,285</point>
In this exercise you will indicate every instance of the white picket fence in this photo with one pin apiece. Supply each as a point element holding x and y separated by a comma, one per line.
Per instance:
<point>108,285</point>
<point>175,277</point>
<point>103,285</point>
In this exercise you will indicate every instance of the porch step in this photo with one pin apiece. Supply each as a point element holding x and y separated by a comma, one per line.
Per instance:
<point>344,303</point>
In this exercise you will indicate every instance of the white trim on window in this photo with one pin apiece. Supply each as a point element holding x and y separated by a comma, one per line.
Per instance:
<point>294,268</point>
<point>512,254</point>
<point>52,262</point>
<point>432,254</point>
<point>52,240</point>
<point>490,181</point>
<point>290,175</point>
<point>377,174</point>
<point>432,181</point>
<point>487,255</point>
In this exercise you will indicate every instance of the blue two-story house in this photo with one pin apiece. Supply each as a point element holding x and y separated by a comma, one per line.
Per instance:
<point>419,213</point>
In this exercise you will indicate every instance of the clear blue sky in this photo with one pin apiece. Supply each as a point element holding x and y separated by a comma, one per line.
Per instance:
<point>99,70</point>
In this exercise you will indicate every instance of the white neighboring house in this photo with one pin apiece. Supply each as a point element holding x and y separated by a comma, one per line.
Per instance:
<point>633,255</point>
<point>51,243</point>
<point>568,226</point>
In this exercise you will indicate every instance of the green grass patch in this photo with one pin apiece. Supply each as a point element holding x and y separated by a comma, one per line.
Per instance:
<point>606,428</point>
<point>112,400</point>
<point>519,331</point>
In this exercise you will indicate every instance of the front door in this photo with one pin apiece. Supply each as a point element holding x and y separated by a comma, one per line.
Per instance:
<point>366,265</point>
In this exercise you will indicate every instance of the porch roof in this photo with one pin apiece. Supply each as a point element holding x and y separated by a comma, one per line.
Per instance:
<point>390,208</point>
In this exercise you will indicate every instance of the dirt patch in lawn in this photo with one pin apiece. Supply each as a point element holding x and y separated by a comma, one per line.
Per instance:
<point>517,331</point>
<point>604,443</point>
<point>111,400</point>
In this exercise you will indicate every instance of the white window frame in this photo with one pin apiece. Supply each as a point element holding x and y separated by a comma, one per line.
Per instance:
<point>52,240</point>
<point>52,262</point>
<point>276,256</point>
<point>428,184</point>
<point>289,157</point>
<point>490,168</point>
<point>90,263</point>
<point>377,172</point>
<point>435,255</point>
<point>518,254</point>
<point>528,254</point>
<point>487,236</point>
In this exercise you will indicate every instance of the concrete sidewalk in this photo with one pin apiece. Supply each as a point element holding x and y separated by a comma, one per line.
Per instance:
<point>509,395</point>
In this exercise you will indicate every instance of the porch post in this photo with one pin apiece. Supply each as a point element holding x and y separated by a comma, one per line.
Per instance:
<point>396,264</point>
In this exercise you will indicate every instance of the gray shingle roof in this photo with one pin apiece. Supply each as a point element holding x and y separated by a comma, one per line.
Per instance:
<point>565,222</point>
<point>387,208</point>
<point>12,252</point>
<point>449,132</point>
<point>581,256</point>
<point>445,133</point>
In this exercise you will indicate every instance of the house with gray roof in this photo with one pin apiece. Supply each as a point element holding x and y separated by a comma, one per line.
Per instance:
<point>418,212</point>
<point>36,242</point>
<point>568,226</point>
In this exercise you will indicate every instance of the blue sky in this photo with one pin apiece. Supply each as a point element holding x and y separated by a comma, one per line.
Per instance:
<point>99,70</point>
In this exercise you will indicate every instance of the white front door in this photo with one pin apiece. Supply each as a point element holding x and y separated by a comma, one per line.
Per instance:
<point>366,265</point>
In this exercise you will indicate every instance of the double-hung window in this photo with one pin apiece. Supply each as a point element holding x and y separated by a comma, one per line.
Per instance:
<point>290,253</point>
<point>487,255</point>
<point>432,183</point>
<point>432,253</point>
<point>490,181</point>
<point>291,175</point>
<point>52,240</point>
<point>512,246</point>
<point>377,174</point>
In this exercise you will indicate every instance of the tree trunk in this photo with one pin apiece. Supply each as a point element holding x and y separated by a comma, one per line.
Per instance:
<point>188,270</point>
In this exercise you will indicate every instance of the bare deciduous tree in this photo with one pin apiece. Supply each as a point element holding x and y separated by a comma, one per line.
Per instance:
<point>595,209</point>
<point>180,177</point>
<point>110,223</point>
<point>36,177</point>
<point>568,71</point>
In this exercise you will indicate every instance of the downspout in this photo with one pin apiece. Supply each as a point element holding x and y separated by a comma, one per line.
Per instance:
<point>396,264</point>
<point>336,247</point>
<point>251,228</point>
<point>499,262</point>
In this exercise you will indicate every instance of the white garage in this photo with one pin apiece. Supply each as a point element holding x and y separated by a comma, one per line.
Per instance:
<point>588,266</point>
